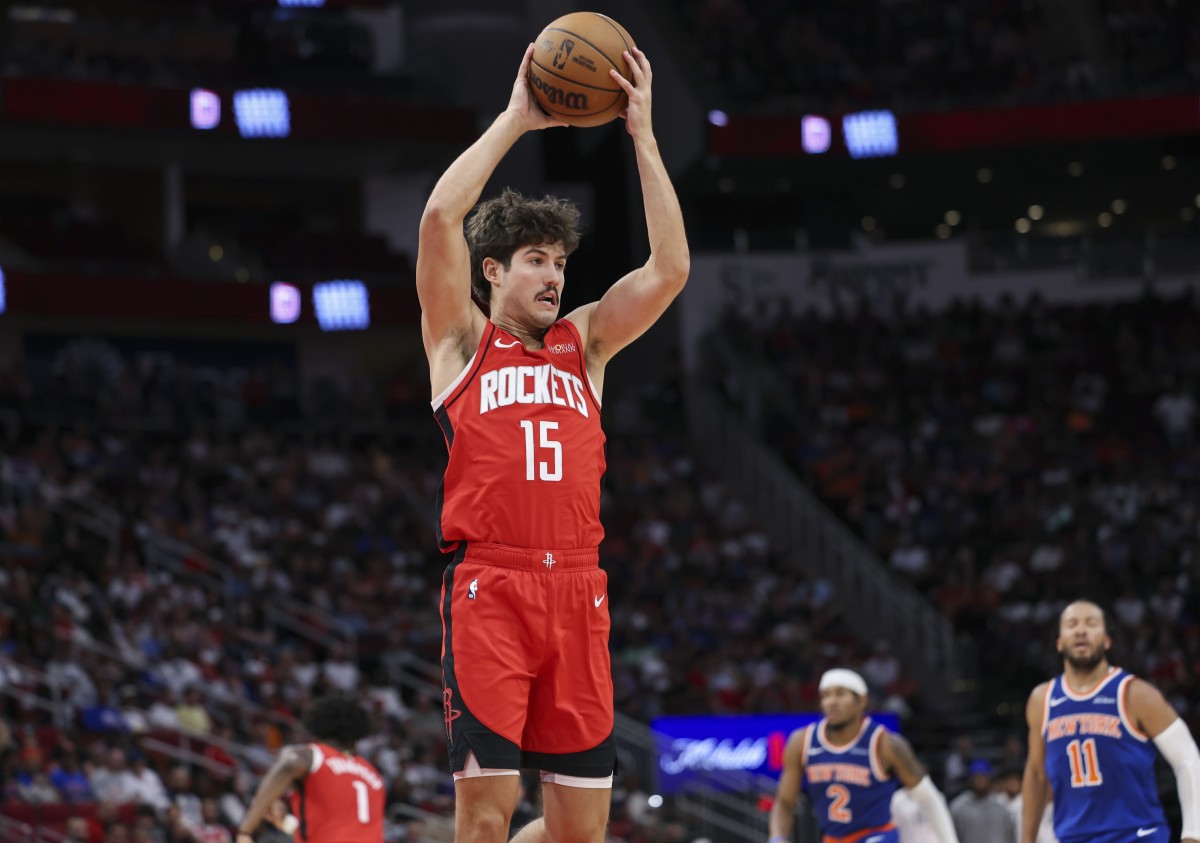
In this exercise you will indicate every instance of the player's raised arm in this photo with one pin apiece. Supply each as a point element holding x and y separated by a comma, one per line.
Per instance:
<point>783,810</point>
<point>293,763</point>
<point>897,756</point>
<point>636,301</point>
<point>443,259</point>
<point>1034,786</point>
<point>1151,713</point>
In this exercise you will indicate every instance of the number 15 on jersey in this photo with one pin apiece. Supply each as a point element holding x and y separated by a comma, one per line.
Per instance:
<point>544,446</point>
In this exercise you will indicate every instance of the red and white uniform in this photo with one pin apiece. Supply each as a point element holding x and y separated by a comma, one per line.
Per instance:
<point>526,669</point>
<point>526,448</point>
<point>341,800</point>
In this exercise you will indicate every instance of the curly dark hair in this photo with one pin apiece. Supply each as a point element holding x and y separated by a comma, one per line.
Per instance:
<point>337,719</point>
<point>500,226</point>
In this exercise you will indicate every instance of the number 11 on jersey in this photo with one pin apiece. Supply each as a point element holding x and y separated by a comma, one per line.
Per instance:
<point>551,470</point>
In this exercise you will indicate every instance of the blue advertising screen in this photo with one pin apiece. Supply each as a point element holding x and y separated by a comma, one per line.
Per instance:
<point>691,747</point>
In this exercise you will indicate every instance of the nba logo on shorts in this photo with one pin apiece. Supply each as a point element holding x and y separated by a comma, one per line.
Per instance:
<point>474,587</point>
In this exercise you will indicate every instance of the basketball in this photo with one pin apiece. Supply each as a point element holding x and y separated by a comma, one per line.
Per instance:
<point>569,71</point>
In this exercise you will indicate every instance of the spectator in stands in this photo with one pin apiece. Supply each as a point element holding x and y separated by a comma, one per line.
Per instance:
<point>339,671</point>
<point>147,826</point>
<point>164,710</point>
<point>66,670</point>
<point>219,755</point>
<point>77,830</point>
<point>956,762</point>
<point>233,799</point>
<point>71,780</point>
<point>212,830</point>
<point>1007,787</point>
<point>978,816</point>
<point>191,712</point>
<point>1009,795</point>
<point>112,782</point>
<point>150,790</point>
<point>183,798</point>
<point>178,672</point>
<point>35,788</point>
<point>882,668</point>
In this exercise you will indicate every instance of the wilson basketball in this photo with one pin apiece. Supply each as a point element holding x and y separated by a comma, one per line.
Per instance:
<point>569,71</point>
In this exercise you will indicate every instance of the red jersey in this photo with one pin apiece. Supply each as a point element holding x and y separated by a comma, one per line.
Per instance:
<point>526,448</point>
<point>340,800</point>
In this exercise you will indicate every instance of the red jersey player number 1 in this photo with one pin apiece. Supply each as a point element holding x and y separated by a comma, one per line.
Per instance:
<point>337,796</point>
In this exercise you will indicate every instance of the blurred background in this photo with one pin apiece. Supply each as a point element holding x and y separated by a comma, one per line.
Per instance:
<point>934,376</point>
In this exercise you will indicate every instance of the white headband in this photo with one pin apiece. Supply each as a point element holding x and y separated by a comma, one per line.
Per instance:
<point>840,677</point>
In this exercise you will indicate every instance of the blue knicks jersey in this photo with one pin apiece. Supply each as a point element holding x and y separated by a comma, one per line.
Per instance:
<point>1100,765</point>
<point>849,789</point>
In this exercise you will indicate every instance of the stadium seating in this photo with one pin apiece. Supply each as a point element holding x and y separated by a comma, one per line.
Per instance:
<point>999,458</point>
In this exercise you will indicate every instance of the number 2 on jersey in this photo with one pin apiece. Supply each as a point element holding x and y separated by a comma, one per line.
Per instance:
<point>364,804</point>
<point>839,799</point>
<point>1085,766</point>
<point>545,470</point>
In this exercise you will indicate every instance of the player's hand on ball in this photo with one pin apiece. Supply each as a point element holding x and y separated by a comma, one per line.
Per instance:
<point>637,112</point>
<point>522,103</point>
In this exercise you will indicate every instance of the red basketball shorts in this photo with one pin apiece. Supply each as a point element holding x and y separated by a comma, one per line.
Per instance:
<point>525,664</point>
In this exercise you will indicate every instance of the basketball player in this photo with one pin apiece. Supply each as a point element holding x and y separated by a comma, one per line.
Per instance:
<point>526,672</point>
<point>1092,733</point>
<point>337,796</point>
<point>851,767</point>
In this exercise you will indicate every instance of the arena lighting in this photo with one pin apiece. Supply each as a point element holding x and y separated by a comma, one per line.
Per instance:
<point>33,13</point>
<point>718,117</point>
<point>816,135</point>
<point>3,298</point>
<point>871,134</point>
<point>206,109</point>
<point>342,305</point>
<point>301,4</point>
<point>285,303</point>
<point>262,113</point>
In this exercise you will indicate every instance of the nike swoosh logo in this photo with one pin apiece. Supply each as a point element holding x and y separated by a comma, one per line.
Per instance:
<point>600,600</point>
<point>507,344</point>
<point>1054,702</point>
<point>874,839</point>
<point>1146,832</point>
